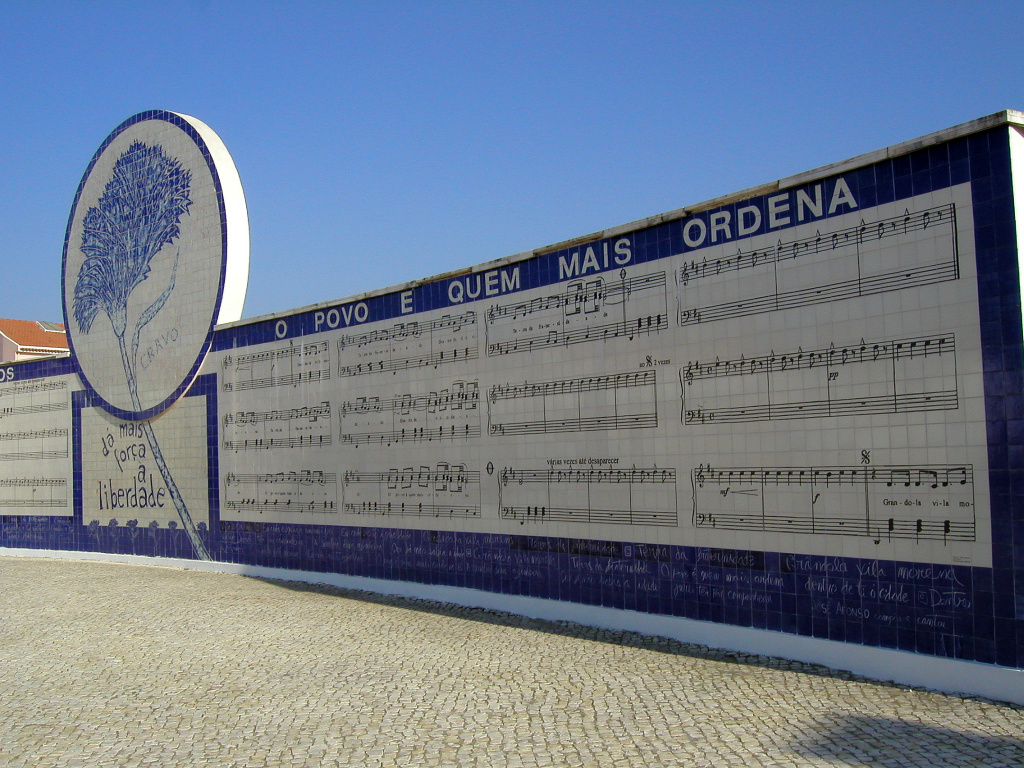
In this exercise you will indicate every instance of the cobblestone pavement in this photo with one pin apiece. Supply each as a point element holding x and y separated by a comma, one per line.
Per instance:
<point>123,665</point>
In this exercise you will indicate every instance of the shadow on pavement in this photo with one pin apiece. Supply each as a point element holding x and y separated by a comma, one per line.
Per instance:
<point>617,637</point>
<point>890,743</point>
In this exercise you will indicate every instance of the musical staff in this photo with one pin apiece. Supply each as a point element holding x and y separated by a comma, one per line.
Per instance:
<point>20,410</point>
<point>35,444</point>
<point>412,435</point>
<point>34,493</point>
<point>449,413</point>
<point>614,401</point>
<point>644,497</point>
<point>820,408</point>
<point>894,253</point>
<point>586,310</point>
<point>34,387</point>
<point>891,376</point>
<point>292,365</point>
<point>446,490</point>
<point>883,503</point>
<point>33,397</point>
<point>35,475</point>
<point>415,344</point>
<point>303,491</point>
<point>304,427</point>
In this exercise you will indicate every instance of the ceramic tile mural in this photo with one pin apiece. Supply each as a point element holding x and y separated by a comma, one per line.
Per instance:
<point>800,410</point>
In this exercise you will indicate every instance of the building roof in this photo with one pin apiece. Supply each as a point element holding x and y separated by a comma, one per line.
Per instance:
<point>29,333</point>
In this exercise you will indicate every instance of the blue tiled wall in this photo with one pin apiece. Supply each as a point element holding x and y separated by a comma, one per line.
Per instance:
<point>940,610</point>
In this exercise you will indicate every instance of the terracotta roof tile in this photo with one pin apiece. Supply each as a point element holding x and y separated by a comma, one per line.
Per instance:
<point>28,333</point>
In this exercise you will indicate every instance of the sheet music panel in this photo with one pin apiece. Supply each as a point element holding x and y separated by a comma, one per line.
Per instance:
<point>810,388</point>
<point>35,447</point>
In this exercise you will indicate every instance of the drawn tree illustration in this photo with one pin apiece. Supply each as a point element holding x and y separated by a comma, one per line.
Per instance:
<point>154,526</point>
<point>133,533</point>
<point>174,536</point>
<point>135,217</point>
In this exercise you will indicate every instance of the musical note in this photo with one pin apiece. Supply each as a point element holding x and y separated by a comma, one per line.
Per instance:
<point>34,434</point>
<point>34,387</point>
<point>785,264</point>
<point>839,501</point>
<point>449,490</point>
<point>34,492</point>
<point>635,496</point>
<point>302,427</point>
<point>581,313</point>
<point>511,411</point>
<point>813,384</point>
<point>442,341</point>
<point>291,365</point>
<point>43,449</point>
<point>446,413</point>
<point>276,505</point>
<point>250,495</point>
<point>20,410</point>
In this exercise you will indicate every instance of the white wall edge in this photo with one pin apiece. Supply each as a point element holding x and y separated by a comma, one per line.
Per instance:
<point>935,673</point>
<point>236,274</point>
<point>1017,182</point>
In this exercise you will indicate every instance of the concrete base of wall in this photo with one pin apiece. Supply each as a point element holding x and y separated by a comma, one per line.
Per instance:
<point>940,674</point>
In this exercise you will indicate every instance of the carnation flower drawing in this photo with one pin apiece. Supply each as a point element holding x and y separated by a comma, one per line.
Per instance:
<point>138,214</point>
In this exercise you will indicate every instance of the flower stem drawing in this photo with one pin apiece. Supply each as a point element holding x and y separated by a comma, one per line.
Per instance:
<point>135,217</point>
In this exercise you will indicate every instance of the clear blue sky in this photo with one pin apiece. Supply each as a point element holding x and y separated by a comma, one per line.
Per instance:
<point>382,142</point>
